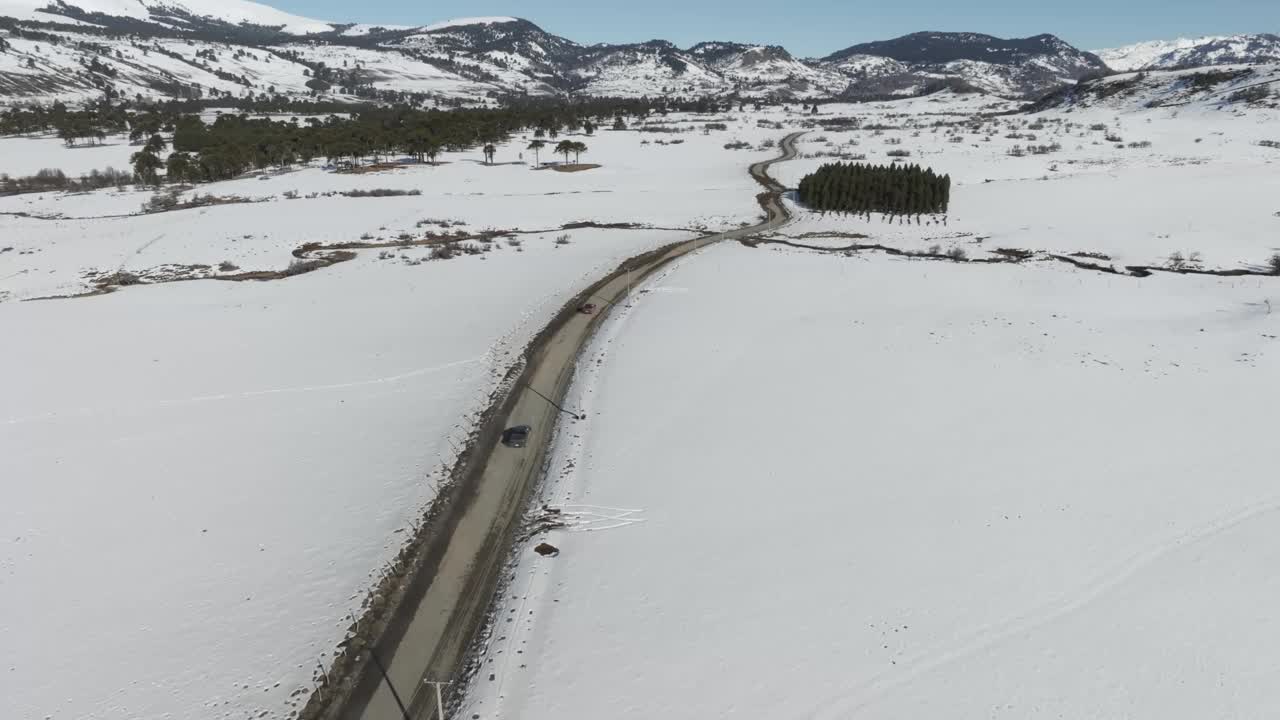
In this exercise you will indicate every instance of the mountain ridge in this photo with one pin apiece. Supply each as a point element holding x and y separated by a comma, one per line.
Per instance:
<point>1194,52</point>
<point>473,59</point>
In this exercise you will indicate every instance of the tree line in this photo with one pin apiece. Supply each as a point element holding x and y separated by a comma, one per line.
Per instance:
<point>235,143</point>
<point>858,188</point>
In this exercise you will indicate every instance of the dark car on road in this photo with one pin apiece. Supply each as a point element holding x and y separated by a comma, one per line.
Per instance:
<point>516,437</point>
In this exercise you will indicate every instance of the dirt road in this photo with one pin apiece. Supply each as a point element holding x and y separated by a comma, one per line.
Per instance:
<point>430,640</point>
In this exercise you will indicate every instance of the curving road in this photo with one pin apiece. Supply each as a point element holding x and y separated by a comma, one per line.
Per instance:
<point>430,640</point>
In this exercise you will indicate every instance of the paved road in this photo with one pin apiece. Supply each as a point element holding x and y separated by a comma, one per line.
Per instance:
<point>434,642</point>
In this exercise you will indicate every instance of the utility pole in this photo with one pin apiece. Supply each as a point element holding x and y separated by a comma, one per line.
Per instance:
<point>439,699</point>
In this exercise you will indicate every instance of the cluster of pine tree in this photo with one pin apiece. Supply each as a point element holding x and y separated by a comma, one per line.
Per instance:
<point>859,188</point>
<point>233,144</point>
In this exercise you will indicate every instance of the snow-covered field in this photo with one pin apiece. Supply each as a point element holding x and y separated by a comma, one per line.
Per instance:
<point>815,485</point>
<point>1203,185</point>
<point>882,488</point>
<point>696,184</point>
<point>801,453</point>
<point>26,156</point>
<point>203,478</point>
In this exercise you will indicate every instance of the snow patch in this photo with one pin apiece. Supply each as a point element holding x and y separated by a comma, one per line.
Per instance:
<point>462,22</point>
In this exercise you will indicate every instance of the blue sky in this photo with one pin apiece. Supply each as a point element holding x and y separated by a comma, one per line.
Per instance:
<point>819,27</point>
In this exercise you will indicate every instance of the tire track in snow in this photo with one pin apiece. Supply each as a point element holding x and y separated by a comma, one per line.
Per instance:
<point>164,404</point>
<point>139,250</point>
<point>852,702</point>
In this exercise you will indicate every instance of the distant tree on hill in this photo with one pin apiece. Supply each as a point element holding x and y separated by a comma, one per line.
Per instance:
<point>619,123</point>
<point>416,144</point>
<point>536,146</point>
<point>489,150</point>
<point>142,126</point>
<point>145,164</point>
<point>74,128</point>
<point>589,127</point>
<point>180,168</point>
<point>155,145</point>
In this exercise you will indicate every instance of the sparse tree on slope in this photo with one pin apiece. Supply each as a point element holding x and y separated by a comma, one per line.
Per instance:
<point>417,143</point>
<point>489,150</point>
<point>536,146</point>
<point>564,148</point>
<point>145,165</point>
<point>179,168</point>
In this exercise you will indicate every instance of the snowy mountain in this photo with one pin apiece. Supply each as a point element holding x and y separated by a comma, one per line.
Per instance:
<point>171,13</point>
<point>770,67</point>
<point>1139,55</point>
<point>79,50</point>
<point>1014,67</point>
<point>1198,52</point>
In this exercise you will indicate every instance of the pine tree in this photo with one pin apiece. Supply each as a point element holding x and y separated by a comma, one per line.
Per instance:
<point>900,190</point>
<point>536,146</point>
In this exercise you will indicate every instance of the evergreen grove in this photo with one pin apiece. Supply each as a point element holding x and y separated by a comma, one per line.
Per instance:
<point>859,188</point>
<point>235,143</point>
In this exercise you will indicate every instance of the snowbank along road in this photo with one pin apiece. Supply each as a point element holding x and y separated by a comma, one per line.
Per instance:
<point>431,640</point>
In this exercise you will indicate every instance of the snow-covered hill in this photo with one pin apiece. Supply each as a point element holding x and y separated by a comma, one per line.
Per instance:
<point>1217,88</point>
<point>653,68</point>
<point>79,50</point>
<point>1193,52</point>
<point>1012,68</point>
<point>770,68</point>
<point>1139,55</point>
<point>172,13</point>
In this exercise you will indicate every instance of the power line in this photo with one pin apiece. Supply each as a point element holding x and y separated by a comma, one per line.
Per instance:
<point>376,661</point>
<point>549,400</point>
